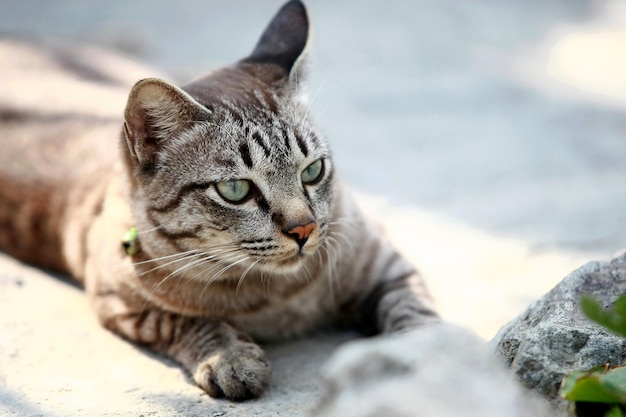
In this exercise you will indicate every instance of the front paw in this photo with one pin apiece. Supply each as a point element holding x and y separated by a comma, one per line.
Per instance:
<point>238,373</point>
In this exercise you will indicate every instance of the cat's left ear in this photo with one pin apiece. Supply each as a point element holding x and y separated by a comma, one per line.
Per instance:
<point>285,41</point>
<point>155,112</point>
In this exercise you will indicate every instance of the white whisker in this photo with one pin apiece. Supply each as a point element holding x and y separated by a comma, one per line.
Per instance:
<point>152,229</point>
<point>344,239</point>
<point>193,264</point>
<point>237,258</point>
<point>189,252</point>
<point>165,265</point>
<point>308,276</point>
<point>329,272</point>
<point>226,268</point>
<point>243,276</point>
<point>342,221</point>
<point>220,260</point>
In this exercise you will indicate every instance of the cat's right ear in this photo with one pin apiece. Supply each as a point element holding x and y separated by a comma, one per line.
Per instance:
<point>155,112</point>
<point>285,40</point>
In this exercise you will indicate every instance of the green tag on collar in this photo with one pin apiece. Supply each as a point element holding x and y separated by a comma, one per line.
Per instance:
<point>130,242</point>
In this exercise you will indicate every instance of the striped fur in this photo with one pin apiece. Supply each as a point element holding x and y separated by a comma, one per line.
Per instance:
<point>213,275</point>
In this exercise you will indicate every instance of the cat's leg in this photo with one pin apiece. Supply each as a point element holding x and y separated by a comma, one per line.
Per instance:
<point>393,304</point>
<point>403,303</point>
<point>222,360</point>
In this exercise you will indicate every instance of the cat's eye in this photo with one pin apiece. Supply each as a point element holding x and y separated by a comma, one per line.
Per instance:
<point>234,190</point>
<point>313,173</point>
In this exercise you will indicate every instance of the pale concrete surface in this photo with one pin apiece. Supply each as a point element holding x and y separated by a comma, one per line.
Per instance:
<point>55,360</point>
<point>493,135</point>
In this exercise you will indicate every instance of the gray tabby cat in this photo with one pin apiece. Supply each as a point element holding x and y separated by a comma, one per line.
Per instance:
<point>245,232</point>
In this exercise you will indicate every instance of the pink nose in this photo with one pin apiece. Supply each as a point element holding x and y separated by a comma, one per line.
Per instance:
<point>302,232</point>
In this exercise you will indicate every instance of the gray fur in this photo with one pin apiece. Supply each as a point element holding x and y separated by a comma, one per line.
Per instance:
<point>212,276</point>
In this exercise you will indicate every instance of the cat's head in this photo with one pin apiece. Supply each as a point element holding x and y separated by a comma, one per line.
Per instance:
<point>230,165</point>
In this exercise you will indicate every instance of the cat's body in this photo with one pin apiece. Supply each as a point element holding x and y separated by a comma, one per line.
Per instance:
<point>245,231</point>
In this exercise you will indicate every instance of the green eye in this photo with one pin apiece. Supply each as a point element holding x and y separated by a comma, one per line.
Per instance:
<point>233,191</point>
<point>313,173</point>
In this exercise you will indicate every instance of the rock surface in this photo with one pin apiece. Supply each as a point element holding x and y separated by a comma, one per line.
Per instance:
<point>442,371</point>
<point>553,337</point>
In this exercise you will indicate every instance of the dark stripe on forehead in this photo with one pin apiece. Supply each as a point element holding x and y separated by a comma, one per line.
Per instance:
<point>302,145</point>
<point>223,162</point>
<point>256,136</point>
<point>285,133</point>
<point>244,150</point>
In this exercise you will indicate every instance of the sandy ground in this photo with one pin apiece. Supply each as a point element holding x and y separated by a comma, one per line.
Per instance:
<point>489,137</point>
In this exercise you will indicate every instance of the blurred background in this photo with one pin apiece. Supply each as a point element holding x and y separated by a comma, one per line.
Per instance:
<point>490,136</point>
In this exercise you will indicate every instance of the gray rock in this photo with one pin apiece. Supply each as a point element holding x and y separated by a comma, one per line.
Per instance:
<point>437,371</point>
<point>553,337</point>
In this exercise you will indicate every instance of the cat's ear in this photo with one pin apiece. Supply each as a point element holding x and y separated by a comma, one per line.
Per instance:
<point>155,112</point>
<point>285,40</point>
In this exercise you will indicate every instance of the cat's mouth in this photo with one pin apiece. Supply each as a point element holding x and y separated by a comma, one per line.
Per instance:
<point>296,260</point>
<point>291,259</point>
<point>290,263</point>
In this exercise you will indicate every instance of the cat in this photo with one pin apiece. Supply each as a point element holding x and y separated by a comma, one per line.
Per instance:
<point>211,220</point>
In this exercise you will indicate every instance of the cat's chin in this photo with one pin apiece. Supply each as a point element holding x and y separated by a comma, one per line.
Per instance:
<point>287,266</point>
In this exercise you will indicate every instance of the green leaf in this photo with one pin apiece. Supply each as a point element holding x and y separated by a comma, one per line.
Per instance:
<point>613,319</point>
<point>596,385</point>
<point>614,412</point>
<point>620,305</point>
